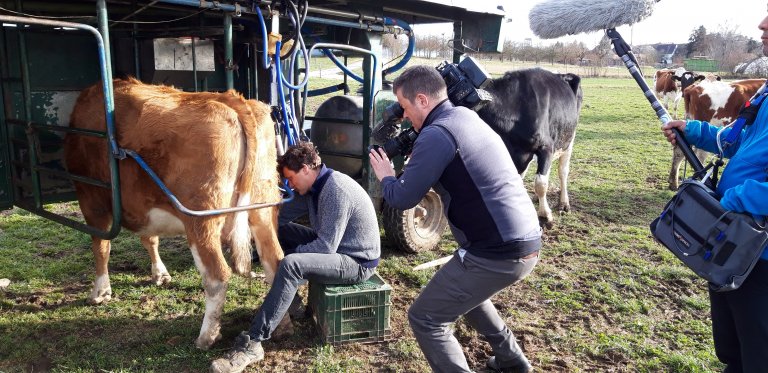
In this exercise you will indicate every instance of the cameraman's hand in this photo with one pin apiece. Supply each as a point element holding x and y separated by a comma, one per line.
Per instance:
<point>667,129</point>
<point>380,163</point>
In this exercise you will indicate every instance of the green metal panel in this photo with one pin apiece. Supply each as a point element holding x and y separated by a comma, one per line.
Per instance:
<point>51,108</point>
<point>63,60</point>
<point>700,64</point>
<point>6,189</point>
<point>60,64</point>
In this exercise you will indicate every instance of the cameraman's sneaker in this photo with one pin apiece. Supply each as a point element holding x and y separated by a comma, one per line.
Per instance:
<point>519,365</point>
<point>244,353</point>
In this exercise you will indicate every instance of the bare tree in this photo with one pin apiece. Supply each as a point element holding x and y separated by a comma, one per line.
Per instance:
<point>697,42</point>
<point>729,47</point>
<point>393,45</point>
<point>603,51</point>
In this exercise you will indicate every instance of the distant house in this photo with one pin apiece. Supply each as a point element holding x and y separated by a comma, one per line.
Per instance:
<point>665,53</point>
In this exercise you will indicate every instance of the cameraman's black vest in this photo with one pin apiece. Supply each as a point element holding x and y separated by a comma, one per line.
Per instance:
<point>489,209</point>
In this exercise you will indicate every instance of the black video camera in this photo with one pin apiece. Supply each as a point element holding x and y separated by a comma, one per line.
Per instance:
<point>464,81</point>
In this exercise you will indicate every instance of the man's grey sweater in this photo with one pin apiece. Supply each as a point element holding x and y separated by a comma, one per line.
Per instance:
<point>342,215</point>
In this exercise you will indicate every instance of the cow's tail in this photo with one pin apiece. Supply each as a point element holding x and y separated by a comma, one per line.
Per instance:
<point>240,236</point>
<point>240,239</point>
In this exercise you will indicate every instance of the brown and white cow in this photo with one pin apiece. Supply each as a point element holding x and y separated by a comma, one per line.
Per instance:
<point>212,150</point>
<point>715,102</point>
<point>669,84</point>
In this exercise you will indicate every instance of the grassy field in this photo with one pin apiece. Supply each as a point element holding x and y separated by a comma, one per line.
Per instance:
<point>604,297</point>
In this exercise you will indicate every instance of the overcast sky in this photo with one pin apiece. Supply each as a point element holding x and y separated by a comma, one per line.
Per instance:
<point>672,21</point>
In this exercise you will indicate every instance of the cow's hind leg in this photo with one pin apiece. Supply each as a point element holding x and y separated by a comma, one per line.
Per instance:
<point>541,185</point>
<point>160,274</point>
<point>674,171</point>
<point>205,244</point>
<point>97,212</point>
<point>263,225</point>
<point>102,290</point>
<point>564,169</point>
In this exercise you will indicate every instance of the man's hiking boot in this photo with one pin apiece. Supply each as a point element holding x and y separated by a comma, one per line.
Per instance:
<point>519,365</point>
<point>244,353</point>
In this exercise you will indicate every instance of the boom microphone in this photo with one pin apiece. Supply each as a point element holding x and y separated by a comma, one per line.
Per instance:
<point>555,18</point>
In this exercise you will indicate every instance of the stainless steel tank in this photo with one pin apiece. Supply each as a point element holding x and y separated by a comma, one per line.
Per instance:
<point>337,131</point>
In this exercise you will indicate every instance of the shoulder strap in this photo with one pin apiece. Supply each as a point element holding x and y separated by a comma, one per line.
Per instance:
<point>747,116</point>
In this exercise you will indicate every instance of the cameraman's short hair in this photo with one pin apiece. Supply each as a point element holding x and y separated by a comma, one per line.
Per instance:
<point>296,156</point>
<point>420,79</point>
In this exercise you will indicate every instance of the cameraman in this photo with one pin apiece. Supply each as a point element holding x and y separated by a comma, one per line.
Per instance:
<point>490,214</point>
<point>739,317</point>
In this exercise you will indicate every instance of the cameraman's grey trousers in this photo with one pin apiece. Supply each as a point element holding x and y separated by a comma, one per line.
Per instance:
<point>464,287</point>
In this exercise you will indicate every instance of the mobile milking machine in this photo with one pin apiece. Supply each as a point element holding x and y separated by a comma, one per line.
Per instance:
<point>49,51</point>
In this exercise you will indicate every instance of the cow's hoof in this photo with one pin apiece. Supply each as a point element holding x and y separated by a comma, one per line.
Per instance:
<point>205,342</point>
<point>673,187</point>
<point>547,223</point>
<point>101,297</point>
<point>161,279</point>
<point>565,208</point>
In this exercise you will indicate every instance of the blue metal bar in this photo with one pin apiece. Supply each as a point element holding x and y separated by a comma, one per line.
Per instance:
<point>354,25</point>
<point>215,5</point>
<point>175,201</point>
<point>205,4</point>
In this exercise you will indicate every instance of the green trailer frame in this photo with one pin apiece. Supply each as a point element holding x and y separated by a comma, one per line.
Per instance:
<point>45,62</point>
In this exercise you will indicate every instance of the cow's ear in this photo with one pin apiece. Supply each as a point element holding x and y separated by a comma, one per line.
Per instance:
<point>699,78</point>
<point>675,77</point>
<point>717,77</point>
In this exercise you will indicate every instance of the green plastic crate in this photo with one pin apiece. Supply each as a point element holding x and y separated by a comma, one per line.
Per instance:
<point>352,313</point>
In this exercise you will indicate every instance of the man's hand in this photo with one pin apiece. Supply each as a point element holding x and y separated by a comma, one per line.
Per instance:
<point>380,163</point>
<point>667,129</point>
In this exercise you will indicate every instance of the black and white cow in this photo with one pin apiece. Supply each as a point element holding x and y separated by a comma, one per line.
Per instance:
<point>535,112</point>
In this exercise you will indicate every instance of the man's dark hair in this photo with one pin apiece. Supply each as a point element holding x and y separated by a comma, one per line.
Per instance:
<point>303,153</point>
<point>420,79</point>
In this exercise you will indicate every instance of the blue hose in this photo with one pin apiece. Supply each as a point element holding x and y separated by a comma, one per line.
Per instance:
<point>340,65</point>
<point>283,106</point>
<point>265,44</point>
<point>411,45</point>
<point>326,90</point>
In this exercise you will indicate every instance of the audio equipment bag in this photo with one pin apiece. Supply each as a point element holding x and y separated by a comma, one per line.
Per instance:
<point>720,246</point>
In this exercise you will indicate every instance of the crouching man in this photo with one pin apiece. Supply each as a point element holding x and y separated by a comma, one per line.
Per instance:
<point>490,214</point>
<point>342,247</point>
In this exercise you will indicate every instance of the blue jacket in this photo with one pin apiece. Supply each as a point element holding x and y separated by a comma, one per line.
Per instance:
<point>743,185</point>
<point>487,206</point>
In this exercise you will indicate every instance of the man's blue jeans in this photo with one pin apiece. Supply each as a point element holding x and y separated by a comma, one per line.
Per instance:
<point>295,267</point>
